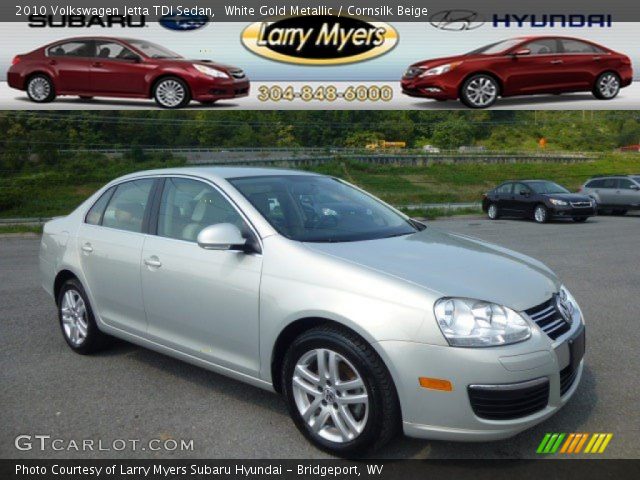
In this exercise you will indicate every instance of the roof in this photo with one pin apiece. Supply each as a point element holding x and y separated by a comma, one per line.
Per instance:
<point>217,173</point>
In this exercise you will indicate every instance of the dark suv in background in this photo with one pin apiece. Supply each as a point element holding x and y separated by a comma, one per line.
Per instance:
<point>541,200</point>
<point>615,194</point>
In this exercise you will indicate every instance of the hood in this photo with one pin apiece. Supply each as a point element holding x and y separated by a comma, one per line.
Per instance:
<point>569,197</point>
<point>207,63</point>
<point>453,265</point>
<point>434,62</point>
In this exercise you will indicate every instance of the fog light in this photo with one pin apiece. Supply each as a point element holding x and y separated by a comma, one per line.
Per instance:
<point>436,384</point>
<point>433,89</point>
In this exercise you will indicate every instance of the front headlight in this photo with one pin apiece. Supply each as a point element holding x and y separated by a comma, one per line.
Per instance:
<point>440,69</point>
<point>555,201</point>
<point>211,72</point>
<point>473,323</point>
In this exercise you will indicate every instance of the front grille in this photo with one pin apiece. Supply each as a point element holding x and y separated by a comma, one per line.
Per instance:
<point>580,204</point>
<point>548,318</point>
<point>237,74</point>
<point>567,377</point>
<point>509,401</point>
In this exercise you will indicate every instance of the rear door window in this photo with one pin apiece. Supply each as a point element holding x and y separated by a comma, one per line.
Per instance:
<point>576,46</point>
<point>127,206</point>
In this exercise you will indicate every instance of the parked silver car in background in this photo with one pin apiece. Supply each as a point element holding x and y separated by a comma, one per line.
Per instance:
<point>615,194</point>
<point>365,320</point>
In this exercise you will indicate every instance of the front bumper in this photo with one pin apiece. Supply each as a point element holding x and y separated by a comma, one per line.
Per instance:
<point>209,89</point>
<point>431,87</point>
<point>571,212</point>
<point>443,415</point>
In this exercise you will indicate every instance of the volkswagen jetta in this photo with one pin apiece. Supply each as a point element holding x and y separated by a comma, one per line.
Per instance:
<point>366,321</point>
<point>122,67</point>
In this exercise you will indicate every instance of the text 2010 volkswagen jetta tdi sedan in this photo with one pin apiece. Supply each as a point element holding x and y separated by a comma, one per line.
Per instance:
<point>364,320</point>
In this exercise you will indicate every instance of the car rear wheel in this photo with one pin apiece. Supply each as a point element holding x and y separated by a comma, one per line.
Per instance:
<point>479,91</point>
<point>607,86</point>
<point>40,89</point>
<point>492,212</point>
<point>339,393</point>
<point>77,320</point>
<point>541,214</point>
<point>171,92</point>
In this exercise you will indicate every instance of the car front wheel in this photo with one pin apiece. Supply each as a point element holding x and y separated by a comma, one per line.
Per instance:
<point>541,214</point>
<point>171,92</point>
<point>339,393</point>
<point>40,89</point>
<point>492,212</point>
<point>77,321</point>
<point>479,91</point>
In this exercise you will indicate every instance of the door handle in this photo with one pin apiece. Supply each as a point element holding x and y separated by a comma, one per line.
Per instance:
<point>53,62</point>
<point>97,64</point>
<point>87,248</point>
<point>555,62</point>
<point>597,58</point>
<point>153,262</point>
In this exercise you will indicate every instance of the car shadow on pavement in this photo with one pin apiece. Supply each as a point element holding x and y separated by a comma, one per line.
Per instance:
<point>142,103</point>
<point>513,101</point>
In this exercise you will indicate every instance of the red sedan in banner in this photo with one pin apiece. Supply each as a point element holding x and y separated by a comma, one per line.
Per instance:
<point>521,66</point>
<point>118,67</point>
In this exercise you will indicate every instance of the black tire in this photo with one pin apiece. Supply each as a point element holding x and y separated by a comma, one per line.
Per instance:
<point>580,219</point>
<point>33,85</point>
<point>467,100</point>
<point>490,212</point>
<point>544,218</point>
<point>384,418</point>
<point>86,97</point>
<point>182,103</point>
<point>599,89</point>
<point>95,340</point>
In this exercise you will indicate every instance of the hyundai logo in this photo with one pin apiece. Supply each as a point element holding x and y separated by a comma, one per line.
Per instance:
<point>457,20</point>
<point>184,22</point>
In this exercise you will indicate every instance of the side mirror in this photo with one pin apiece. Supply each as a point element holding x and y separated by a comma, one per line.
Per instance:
<point>634,187</point>
<point>522,51</point>
<point>222,236</point>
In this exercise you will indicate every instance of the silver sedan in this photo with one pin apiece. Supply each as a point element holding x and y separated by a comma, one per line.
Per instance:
<point>366,321</point>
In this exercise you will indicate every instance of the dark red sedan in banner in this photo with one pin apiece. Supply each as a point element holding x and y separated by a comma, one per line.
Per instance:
<point>521,66</point>
<point>121,67</point>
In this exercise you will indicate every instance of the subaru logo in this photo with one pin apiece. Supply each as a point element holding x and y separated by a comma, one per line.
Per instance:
<point>456,20</point>
<point>184,22</point>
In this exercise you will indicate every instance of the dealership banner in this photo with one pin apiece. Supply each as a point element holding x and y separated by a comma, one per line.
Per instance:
<point>326,55</point>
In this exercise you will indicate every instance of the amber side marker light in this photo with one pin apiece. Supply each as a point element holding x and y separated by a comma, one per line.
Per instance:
<point>436,384</point>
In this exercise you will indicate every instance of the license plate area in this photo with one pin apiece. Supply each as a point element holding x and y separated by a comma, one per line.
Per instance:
<point>577,346</point>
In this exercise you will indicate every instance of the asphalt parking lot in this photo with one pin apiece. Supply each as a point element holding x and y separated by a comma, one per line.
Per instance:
<point>132,393</point>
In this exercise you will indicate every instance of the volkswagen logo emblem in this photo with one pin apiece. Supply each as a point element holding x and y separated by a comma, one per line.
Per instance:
<point>457,20</point>
<point>564,309</point>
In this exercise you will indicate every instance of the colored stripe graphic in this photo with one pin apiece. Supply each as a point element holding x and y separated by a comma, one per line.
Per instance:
<point>573,443</point>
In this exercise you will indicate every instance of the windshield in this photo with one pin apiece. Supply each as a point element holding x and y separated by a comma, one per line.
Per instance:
<point>310,208</point>
<point>637,179</point>
<point>547,187</point>
<point>152,50</point>
<point>496,47</point>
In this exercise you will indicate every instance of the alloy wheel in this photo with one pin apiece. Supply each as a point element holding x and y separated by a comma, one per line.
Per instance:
<point>39,89</point>
<point>540,214</point>
<point>493,211</point>
<point>609,85</point>
<point>481,91</point>
<point>170,93</point>
<point>330,395</point>
<point>74,317</point>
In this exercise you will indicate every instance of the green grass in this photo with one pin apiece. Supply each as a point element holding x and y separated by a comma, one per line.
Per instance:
<point>57,191</point>
<point>20,229</point>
